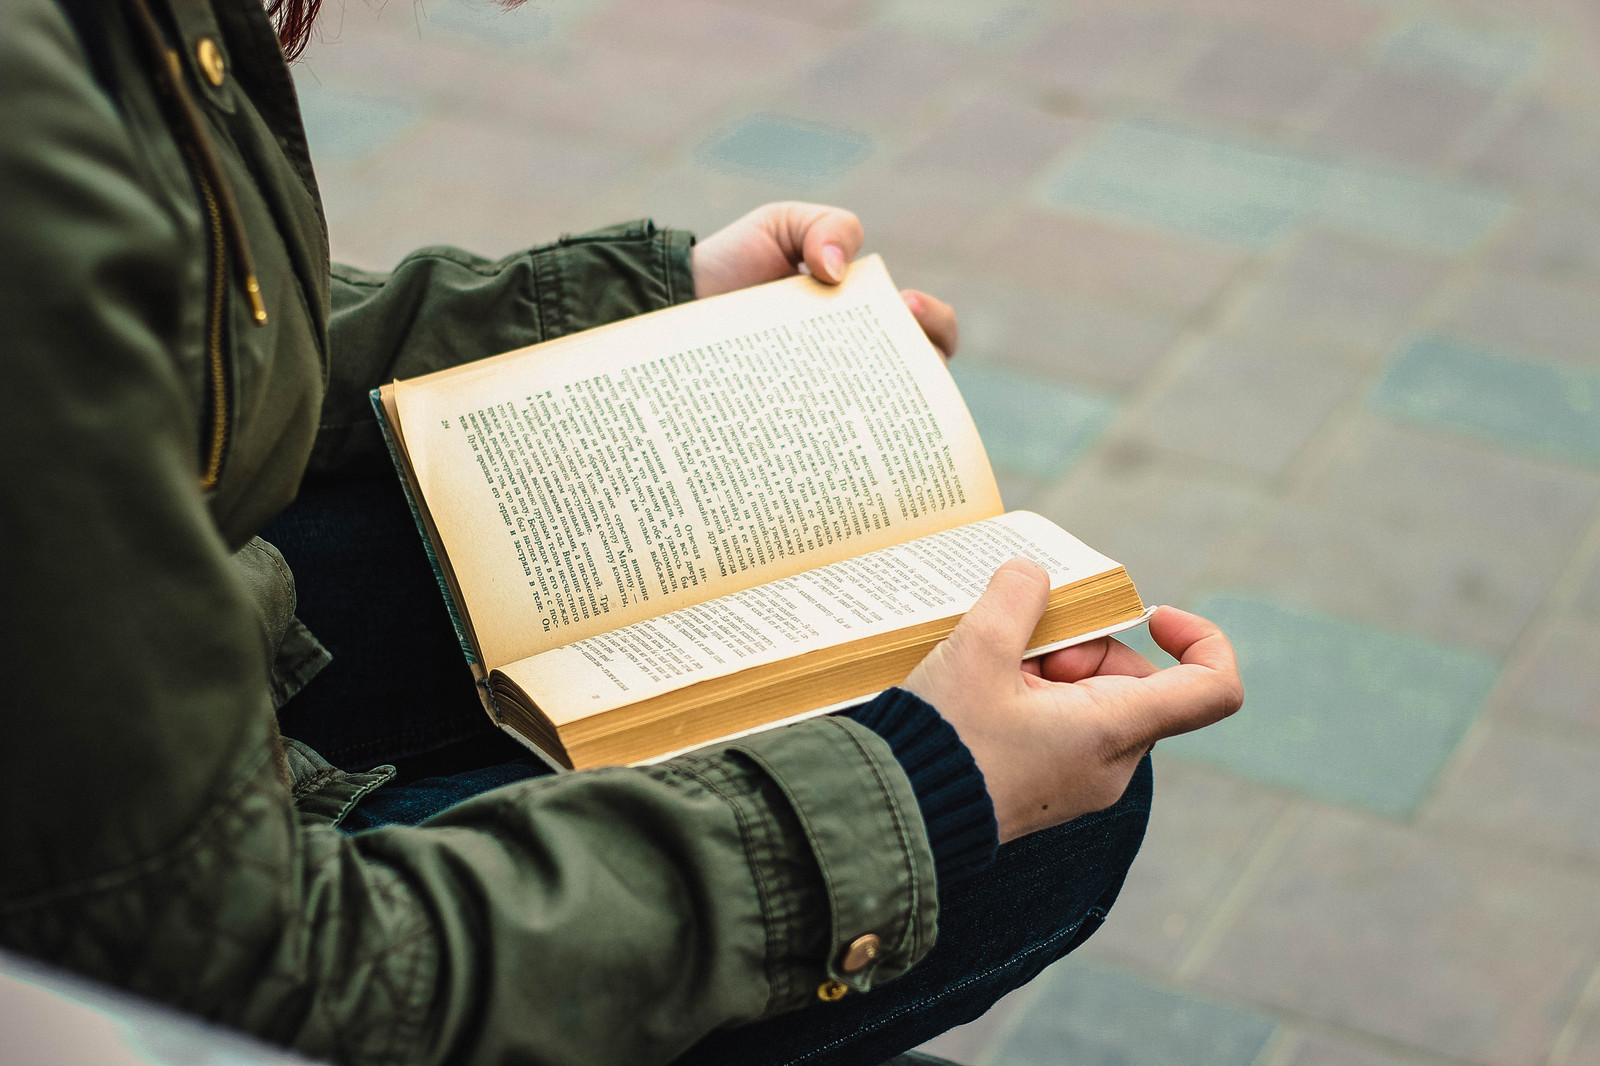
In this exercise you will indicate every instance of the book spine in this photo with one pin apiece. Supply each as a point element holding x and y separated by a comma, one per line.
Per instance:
<point>422,529</point>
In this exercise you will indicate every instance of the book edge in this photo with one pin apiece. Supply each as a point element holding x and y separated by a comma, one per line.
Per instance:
<point>450,604</point>
<point>1031,653</point>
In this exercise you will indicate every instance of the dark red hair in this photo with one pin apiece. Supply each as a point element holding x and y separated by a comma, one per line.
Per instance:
<point>293,19</point>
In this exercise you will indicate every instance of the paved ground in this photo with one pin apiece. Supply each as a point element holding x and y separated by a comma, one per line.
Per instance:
<point>1292,307</point>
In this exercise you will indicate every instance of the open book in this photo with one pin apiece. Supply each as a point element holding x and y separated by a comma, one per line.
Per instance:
<point>716,517</point>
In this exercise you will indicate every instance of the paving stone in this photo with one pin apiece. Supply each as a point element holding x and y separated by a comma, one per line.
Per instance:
<point>571,92</point>
<point>820,12</point>
<point>1585,1047</point>
<point>1518,404</point>
<point>1419,532</point>
<point>1090,1015</point>
<point>1052,335</point>
<point>1248,401</point>
<point>1256,79</point>
<point>432,212</point>
<point>1429,213</point>
<point>1587,602</point>
<point>1204,827</point>
<point>433,188</point>
<point>1336,24</point>
<point>987,22</point>
<point>1426,486</point>
<point>1464,950</point>
<point>1546,147</point>
<point>440,70</point>
<point>876,79</point>
<point>1113,52</point>
<point>1253,196</point>
<point>1412,117</point>
<point>1558,681</point>
<point>720,36</point>
<point>1017,491</point>
<point>1231,192</point>
<point>1058,337</point>
<point>1319,1050</point>
<point>993,141</point>
<point>922,212</point>
<point>1557,239</point>
<point>493,24</point>
<point>1164,525</point>
<point>1525,314</point>
<point>1031,427</point>
<point>784,149</point>
<point>1487,55</point>
<point>1338,289</point>
<point>346,127</point>
<point>697,198</point>
<point>1527,788</point>
<point>1341,711</point>
<point>1148,272</point>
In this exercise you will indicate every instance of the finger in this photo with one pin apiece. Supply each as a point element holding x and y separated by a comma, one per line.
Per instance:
<point>1192,639</point>
<point>937,319</point>
<point>996,630</point>
<point>1096,657</point>
<point>1203,688</point>
<point>1074,663</point>
<point>1183,698</point>
<point>827,237</point>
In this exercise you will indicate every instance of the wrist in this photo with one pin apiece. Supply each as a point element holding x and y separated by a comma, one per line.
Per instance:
<point>957,811</point>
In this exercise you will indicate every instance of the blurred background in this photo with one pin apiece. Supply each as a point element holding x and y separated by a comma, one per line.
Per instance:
<point>1292,307</point>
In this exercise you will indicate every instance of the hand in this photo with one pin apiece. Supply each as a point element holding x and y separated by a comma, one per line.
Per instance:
<point>772,241</point>
<point>1060,736</point>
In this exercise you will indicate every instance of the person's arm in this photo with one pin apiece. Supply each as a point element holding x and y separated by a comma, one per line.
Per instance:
<point>149,839</point>
<point>441,307</point>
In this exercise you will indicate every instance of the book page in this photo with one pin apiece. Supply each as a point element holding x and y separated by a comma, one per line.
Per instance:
<point>893,588</point>
<point>689,453</point>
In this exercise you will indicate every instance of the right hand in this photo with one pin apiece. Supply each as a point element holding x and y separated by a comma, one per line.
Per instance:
<point>1060,736</point>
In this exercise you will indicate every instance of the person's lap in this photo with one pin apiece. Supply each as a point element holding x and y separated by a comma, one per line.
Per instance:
<point>398,691</point>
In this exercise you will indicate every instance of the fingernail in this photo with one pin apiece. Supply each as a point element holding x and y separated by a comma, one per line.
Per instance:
<point>833,259</point>
<point>913,301</point>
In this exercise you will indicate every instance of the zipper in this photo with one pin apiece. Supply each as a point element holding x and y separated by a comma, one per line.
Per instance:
<point>216,361</point>
<point>228,241</point>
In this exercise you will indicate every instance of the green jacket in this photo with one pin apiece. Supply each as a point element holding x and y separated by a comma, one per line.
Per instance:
<point>154,832</point>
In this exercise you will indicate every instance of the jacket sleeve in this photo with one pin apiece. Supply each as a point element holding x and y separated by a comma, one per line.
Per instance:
<point>441,307</point>
<point>150,840</point>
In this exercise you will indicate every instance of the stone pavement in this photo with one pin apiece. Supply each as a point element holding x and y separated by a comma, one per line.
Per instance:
<point>1292,307</point>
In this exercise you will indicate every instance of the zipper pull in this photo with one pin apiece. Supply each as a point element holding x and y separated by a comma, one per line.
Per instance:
<point>258,307</point>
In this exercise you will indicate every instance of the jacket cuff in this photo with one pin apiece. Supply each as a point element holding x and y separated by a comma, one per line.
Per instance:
<point>950,790</point>
<point>610,274</point>
<point>678,252</point>
<point>856,810</point>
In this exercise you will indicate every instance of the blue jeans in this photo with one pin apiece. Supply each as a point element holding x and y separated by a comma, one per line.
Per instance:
<point>398,692</point>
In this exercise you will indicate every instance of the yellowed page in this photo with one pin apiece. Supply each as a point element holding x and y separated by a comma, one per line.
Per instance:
<point>687,454</point>
<point>890,589</point>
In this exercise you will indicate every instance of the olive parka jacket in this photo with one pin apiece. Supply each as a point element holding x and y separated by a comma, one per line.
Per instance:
<point>154,831</point>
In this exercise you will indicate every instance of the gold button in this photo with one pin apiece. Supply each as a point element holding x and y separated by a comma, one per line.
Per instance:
<point>210,57</point>
<point>862,950</point>
<point>832,991</point>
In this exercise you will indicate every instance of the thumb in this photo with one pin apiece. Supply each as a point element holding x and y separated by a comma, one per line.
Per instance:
<point>998,626</point>
<point>829,238</point>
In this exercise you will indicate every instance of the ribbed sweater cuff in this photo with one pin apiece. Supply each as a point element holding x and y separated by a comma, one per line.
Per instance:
<point>950,791</point>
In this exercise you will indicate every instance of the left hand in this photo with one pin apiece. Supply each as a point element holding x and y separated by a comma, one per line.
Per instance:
<point>773,240</point>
